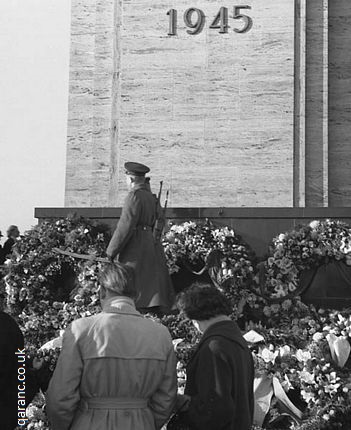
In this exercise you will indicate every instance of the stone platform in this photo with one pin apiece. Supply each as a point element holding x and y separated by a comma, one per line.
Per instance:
<point>257,226</point>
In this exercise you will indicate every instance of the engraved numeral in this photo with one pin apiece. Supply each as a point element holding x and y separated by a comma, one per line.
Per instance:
<point>198,24</point>
<point>194,19</point>
<point>221,20</point>
<point>247,19</point>
<point>172,22</point>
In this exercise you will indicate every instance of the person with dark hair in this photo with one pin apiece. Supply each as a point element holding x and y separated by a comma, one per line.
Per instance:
<point>133,243</point>
<point>12,235</point>
<point>117,369</point>
<point>219,389</point>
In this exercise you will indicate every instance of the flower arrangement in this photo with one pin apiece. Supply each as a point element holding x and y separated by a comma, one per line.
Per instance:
<point>301,352</point>
<point>309,354</point>
<point>46,291</point>
<point>228,259</point>
<point>303,248</point>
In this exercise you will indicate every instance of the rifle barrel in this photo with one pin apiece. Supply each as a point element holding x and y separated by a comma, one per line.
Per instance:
<point>160,191</point>
<point>166,201</point>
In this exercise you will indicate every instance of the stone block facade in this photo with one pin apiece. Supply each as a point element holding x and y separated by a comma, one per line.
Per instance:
<point>253,119</point>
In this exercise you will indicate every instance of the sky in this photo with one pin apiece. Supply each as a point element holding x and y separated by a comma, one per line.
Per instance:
<point>34,71</point>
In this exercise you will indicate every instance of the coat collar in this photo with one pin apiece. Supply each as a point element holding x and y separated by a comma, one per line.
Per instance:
<point>120,305</point>
<point>226,329</point>
<point>139,187</point>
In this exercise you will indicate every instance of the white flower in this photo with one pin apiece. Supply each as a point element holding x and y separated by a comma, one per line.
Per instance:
<point>286,384</point>
<point>253,337</point>
<point>307,396</point>
<point>176,342</point>
<point>303,356</point>
<point>292,286</point>
<point>314,224</point>
<point>284,350</point>
<point>318,336</point>
<point>307,377</point>
<point>269,356</point>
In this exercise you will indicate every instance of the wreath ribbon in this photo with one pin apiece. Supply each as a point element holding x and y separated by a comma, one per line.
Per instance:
<point>265,388</point>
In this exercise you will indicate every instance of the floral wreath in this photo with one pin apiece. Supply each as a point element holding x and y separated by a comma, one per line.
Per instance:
<point>36,284</point>
<point>306,350</point>
<point>201,246</point>
<point>300,249</point>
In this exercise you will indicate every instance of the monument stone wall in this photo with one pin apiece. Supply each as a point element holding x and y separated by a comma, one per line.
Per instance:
<point>211,113</point>
<point>257,118</point>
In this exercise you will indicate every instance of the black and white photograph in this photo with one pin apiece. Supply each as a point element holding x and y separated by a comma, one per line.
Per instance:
<point>175,217</point>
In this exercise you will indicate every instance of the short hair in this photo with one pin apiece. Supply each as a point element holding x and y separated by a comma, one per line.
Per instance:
<point>137,179</point>
<point>202,302</point>
<point>119,279</point>
<point>12,229</point>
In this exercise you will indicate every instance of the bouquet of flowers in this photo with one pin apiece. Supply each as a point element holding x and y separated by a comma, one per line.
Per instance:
<point>303,248</point>
<point>219,250</point>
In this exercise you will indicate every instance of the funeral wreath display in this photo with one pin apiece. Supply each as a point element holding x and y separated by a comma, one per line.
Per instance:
<point>301,352</point>
<point>307,247</point>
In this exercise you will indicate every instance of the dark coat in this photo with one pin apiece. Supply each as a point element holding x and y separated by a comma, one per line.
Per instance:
<point>8,245</point>
<point>2,256</point>
<point>11,340</point>
<point>220,381</point>
<point>133,243</point>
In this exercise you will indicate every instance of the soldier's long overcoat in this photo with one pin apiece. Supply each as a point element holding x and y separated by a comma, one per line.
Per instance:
<point>116,371</point>
<point>133,243</point>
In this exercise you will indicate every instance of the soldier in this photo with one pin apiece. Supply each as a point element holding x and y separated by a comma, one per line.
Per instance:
<point>133,243</point>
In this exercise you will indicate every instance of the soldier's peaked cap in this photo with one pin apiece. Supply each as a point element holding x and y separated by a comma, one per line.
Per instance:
<point>135,169</point>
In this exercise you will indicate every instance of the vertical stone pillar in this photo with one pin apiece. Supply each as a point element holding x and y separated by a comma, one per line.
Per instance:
<point>90,94</point>
<point>339,103</point>
<point>316,149</point>
<point>81,102</point>
<point>299,103</point>
<point>116,104</point>
<point>104,68</point>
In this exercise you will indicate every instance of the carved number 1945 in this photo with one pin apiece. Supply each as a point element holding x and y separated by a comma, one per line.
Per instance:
<point>194,19</point>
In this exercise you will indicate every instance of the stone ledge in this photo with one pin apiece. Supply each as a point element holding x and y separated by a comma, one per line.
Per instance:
<point>203,212</point>
<point>257,226</point>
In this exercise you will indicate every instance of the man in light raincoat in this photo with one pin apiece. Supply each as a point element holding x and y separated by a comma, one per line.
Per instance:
<point>117,369</point>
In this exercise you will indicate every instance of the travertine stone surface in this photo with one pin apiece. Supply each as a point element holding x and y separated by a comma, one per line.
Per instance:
<point>89,121</point>
<point>299,174</point>
<point>339,103</point>
<point>316,102</point>
<point>104,31</point>
<point>211,114</point>
<point>81,103</point>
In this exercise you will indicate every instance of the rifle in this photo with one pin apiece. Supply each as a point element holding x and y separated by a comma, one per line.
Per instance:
<point>159,193</point>
<point>160,215</point>
<point>90,257</point>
